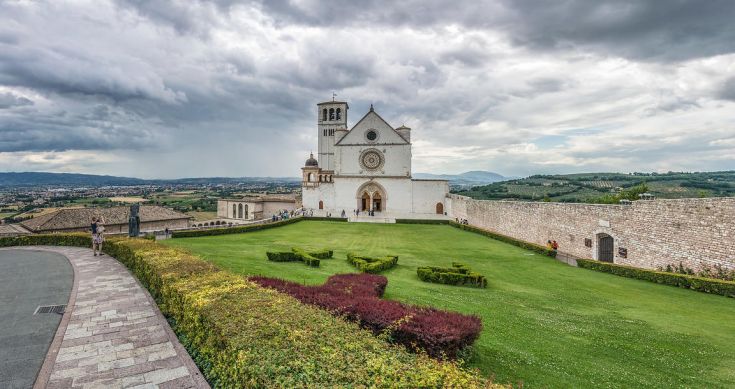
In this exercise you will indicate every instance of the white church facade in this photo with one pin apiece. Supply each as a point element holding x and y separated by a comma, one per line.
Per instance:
<point>366,168</point>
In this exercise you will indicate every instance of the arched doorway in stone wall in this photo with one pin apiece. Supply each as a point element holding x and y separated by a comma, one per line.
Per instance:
<point>371,196</point>
<point>321,204</point>
<point>439,208</point>
<point>605,248</point>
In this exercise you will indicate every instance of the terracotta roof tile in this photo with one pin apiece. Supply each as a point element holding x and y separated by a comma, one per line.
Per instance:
<point>68,218</point>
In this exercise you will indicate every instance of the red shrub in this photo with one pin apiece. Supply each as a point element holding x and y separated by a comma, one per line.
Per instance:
<point>357,298</point>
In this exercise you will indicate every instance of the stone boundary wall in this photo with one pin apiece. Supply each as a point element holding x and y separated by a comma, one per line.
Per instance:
<point>647,233</point>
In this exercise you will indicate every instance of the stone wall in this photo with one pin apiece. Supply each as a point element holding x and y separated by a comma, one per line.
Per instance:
<point>647,234</point>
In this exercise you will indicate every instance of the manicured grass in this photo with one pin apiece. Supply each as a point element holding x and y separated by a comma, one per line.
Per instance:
<point>546,324</point>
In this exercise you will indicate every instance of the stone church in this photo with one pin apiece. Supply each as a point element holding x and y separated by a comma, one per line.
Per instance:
<point>366,168</point>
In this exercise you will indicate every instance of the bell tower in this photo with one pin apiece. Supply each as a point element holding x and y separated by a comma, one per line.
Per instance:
<point>331,116</point>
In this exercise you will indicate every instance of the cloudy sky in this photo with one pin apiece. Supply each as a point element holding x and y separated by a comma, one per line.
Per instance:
<point>193,88</point>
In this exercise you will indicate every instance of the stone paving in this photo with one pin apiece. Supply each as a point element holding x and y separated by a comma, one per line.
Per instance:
<point>115,336</point>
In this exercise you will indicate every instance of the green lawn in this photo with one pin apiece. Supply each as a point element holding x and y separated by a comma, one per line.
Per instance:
<point>546,324</point>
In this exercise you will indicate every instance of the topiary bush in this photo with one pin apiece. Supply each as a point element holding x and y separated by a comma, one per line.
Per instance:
<point>707,285</point>
<point>232,230</point>
<point>356,297</point>
<point>75,239</point>
<point>312,258</point>
<point>458,274</point>
<point>372,264</point>
<point>422,221</point>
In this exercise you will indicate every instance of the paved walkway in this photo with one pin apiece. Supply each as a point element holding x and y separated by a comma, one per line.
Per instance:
<point>112,334</point>
<point>29,279</point>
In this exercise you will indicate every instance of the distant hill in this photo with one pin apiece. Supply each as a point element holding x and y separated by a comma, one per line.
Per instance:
<point>600,187</point>
<point>91,180</point>
<point>472,178</point>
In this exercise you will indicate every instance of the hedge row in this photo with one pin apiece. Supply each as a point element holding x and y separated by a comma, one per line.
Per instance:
<point>242,335</point>
<point>458,274</point>
<point>356,297</point>
<point>310,258</point>
<point>507,239</point>
<point>232,230</point>
<point>324,218</point>
<point>422,221</point>
<point>707,285</point>
<point>372,264</point>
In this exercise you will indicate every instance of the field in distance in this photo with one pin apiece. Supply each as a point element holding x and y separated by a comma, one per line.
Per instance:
<point>598,187</point>
<point>546,324</point>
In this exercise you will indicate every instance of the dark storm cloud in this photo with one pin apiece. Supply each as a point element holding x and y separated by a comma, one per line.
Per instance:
<point>655,30</point>
<point>8,100</point>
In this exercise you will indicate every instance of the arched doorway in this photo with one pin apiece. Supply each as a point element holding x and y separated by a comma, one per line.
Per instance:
<point>605,248</point>
<point>439,208</point>
<point>365,201</point>
<point>234,211</point>
<point>377,202</point>
<point>321,204</point>
<point>239,211</point>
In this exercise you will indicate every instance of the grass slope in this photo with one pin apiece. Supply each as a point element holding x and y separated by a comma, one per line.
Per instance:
<point>545,324</point>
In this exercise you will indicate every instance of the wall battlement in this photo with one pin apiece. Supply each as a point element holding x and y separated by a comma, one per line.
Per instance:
<point>648,233</point>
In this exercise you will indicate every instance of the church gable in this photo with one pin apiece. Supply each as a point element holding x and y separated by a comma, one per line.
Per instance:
<point>371,126</point>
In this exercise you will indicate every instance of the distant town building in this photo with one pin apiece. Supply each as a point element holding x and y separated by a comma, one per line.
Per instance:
<point>255,208</point>
<point>152,218</point>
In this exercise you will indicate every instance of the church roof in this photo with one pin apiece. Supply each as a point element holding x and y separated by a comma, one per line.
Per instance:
<point>311,161</point>
<point>334,102</point>
<point>71,218</point>
<point>372,110</point>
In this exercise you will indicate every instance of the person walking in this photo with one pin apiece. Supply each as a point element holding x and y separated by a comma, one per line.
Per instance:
<point>93,228</point>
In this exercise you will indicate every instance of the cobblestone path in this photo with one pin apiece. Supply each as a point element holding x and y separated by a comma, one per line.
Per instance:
<point>115,336</point>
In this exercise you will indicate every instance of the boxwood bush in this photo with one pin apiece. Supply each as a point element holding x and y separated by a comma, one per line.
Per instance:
<point>507,239</point>
<point>707,285</point>
<point>356,297</point>
<point>232,230</point>
<point>312,258</point>
<point>243,335</point>
<point>458,274</point>
<point>422,221</point>
<point>372,264</point>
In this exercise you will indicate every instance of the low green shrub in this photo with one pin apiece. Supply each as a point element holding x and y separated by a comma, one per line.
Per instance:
<point>422,221</point>
<point>232,230</point>
<point>372,264</point>
<point>311,258</point>
<point>75,239</point>
<point>507,239</point>
<point>707,285</point>
<point>458,274</point>
<point>324,218</point>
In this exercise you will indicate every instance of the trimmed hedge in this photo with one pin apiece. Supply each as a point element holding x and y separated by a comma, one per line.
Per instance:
<point>707,285</point>
<point>372,264</point>
<point>232,230</point>
<point>458,274</point>
<point>324,218</point>
<point>310,258</point>
<point>356,297</point>
<point>422,221</point>
<point>507,239</point>
<point>75,239</point>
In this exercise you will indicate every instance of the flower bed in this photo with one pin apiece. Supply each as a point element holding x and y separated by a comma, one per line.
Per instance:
<point>312,258</point>
<point>356,297</point>
<point>372,264</point>
<point>243,335</point>
<point>458,274</point>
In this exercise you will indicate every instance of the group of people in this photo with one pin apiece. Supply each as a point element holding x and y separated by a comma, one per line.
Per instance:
<point>461,221</point>
<point>552,245</point>
<point>283,215</point>
<point>369,212</point>
<point>98,235</point>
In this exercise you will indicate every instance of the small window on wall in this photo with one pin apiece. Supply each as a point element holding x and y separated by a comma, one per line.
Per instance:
<point>324,114</point>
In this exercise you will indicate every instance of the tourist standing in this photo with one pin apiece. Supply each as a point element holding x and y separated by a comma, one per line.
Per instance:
<point>555,245</point>
<point>93,228</point>
<point>98,238</point>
